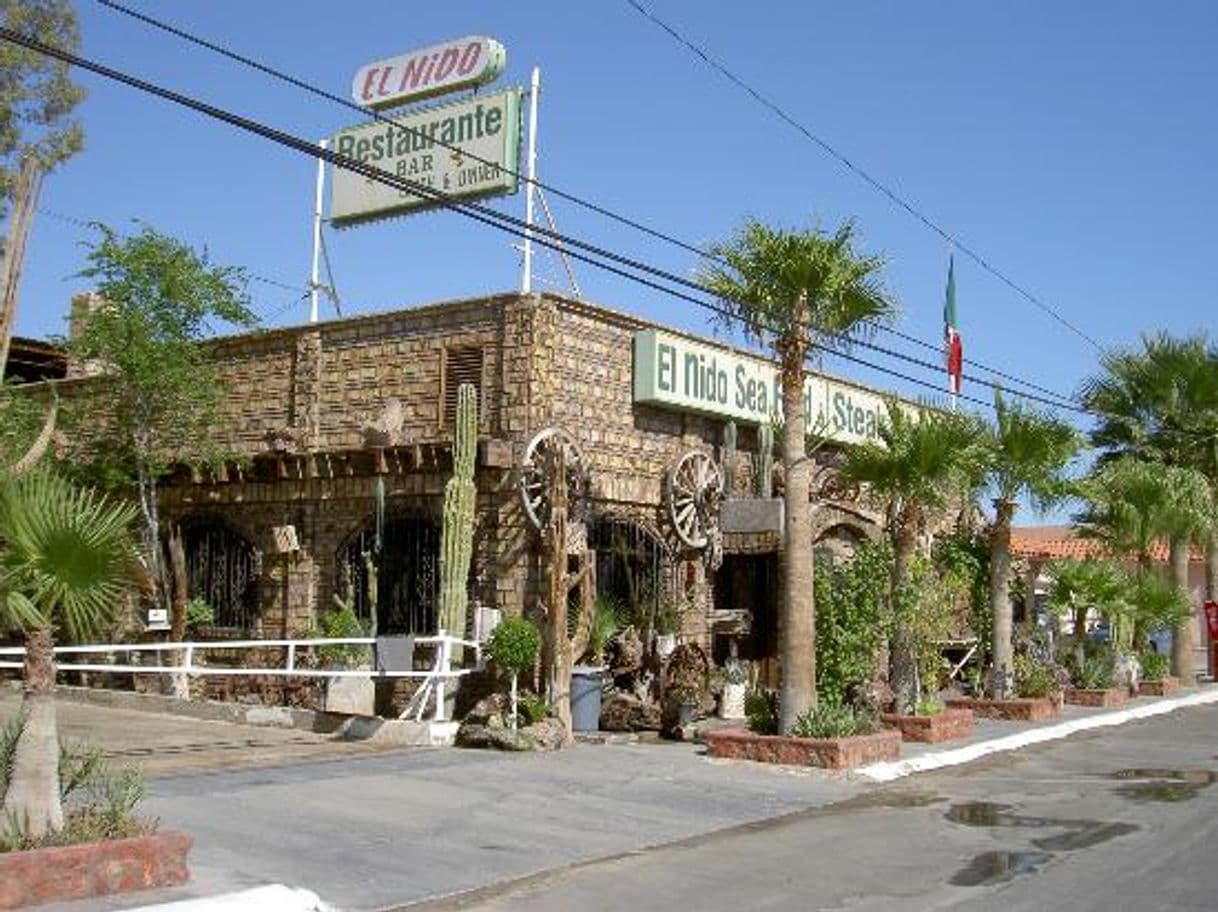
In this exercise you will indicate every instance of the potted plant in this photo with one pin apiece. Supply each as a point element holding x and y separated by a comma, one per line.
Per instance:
<point>833,736</point>
<point>734,676</point>
<point>354,695</point>
<point>513,647</point>
<point>1156,680</point>
<point>1093,680</point>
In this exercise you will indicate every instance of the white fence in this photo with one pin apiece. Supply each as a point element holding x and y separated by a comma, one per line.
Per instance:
<point>398,651</point>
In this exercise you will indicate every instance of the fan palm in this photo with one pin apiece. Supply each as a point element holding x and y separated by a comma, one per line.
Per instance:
<point>919,465</point>
<point>1027,456</point>
<point>65,563</point>
<point>796,291</point>
<point>1133,505</point>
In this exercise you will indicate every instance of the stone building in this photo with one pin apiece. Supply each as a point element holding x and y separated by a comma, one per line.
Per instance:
<point>341,433</point>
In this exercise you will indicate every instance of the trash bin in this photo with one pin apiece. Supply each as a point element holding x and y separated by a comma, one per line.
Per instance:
<point>586,697</point>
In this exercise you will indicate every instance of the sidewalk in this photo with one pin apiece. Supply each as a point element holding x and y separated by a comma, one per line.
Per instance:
<point>371,832</point>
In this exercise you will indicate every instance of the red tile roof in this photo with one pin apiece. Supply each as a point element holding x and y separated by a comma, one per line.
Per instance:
<point>1053,542</point>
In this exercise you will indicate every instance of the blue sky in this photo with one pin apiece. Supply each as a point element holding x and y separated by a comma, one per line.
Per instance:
<point>1073,145</point>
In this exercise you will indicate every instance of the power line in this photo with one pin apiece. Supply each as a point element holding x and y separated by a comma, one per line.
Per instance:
<point>611,262</point>
<point>296,82</point>
<point>875,183</point>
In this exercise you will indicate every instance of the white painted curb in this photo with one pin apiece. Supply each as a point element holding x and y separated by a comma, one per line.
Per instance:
<point>271,898</point>
<point>897,769</point>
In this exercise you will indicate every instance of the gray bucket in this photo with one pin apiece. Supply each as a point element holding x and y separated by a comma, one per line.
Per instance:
<point>586,697</point>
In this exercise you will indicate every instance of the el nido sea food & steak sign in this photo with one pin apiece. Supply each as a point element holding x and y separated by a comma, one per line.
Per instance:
<point>466,150</point>
<point>677,373</point>
<point>448,67</point>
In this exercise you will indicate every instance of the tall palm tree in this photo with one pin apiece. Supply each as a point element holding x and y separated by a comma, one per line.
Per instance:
<point>1027,456</point>
<point>796,291</point>
<point>920,464</point>
<point>1161,404</point>
<point>65,562</point>
<point>1134,504</point>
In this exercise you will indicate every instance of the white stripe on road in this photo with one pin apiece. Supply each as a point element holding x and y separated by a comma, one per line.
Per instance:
<point>897,769</point>
<point>271,898</point>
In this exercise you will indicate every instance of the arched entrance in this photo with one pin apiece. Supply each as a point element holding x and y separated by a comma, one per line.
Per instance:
<point>222,568</point>
<point>630,564</point>
<point>407,568</point>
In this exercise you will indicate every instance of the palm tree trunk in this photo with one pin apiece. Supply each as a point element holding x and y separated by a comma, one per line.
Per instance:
<point>797,630</point>
<point>179,685</point>
<point>903,662</point>
<point>32,801</point>
<point>1002,677</point>
<point>1183,663</point>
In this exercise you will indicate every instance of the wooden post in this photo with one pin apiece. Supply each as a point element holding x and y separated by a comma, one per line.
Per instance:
<point>554,553</point>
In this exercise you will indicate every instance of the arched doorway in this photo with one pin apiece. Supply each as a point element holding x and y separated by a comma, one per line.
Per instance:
<point>630,564</point>
<point>222,568</point>
<point>839,543</point>
<point>407,568</point>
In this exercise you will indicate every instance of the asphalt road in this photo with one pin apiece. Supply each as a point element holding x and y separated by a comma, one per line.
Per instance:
<point>1126,819</point>
<point>1122,818</point>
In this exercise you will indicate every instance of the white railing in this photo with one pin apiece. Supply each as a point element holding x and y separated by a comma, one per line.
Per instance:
<point>434,678</point>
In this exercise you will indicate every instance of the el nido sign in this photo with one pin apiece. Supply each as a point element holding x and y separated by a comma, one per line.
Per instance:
<point>448,67</point>
<point>465,150</point>
<point>678,373</point>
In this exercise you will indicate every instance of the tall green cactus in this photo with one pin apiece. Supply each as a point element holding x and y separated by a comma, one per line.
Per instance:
<point>765,460</point>
<point>729,459</point>
<point>457,534</point>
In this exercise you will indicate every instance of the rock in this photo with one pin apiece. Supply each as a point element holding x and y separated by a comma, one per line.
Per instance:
<point>626,652</point>
<point>872,697</point>
<point>492,710</point>
<point>627,713</point>
<point>1126,671</point>
<point>546,735</point>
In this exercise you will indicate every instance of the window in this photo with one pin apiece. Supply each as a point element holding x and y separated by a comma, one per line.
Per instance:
<point>461,365</point>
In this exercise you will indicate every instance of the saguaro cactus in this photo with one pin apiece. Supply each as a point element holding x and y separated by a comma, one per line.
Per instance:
<point>729,459</point>
<point>765,460</point>
<point>457,534</point>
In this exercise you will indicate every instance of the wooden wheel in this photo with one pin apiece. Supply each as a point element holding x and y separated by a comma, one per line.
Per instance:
<point>533,478</point>
<point>695,488</point>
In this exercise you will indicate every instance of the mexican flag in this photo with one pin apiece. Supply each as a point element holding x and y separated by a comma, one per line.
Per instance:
<point>953,348</point>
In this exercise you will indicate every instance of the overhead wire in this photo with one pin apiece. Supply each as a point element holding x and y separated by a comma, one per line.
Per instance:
<point>591,206</point>
<point>611,261</point>
<point>876,184</point>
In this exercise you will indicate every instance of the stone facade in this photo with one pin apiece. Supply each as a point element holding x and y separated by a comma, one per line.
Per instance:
<point>319,418</point>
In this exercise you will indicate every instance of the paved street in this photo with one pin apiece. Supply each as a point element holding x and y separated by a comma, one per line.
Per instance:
<point>1126,819</point>
<point>1116,819</point>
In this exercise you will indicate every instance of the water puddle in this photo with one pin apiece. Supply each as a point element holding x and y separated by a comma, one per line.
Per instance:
<point>996,867</point>
<point>1162,785</point>
<point>897,799</point>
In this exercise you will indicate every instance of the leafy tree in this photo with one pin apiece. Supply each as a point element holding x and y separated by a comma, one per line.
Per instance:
<point>157,392</point>
<point>1028,454</point>
<point>796,291</point>
<point>65,564</point>
<point>513,647</point>
<point>851,612</point>
<point>919,465</point>
<point>37,98</point>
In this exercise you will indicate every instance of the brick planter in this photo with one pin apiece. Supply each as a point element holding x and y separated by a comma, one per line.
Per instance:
<point>941,726</point>
<point>1107,698</point>
<point>1019,709</point>
<point>1167,687</point>
<point>829,753</point>
<point>93,869</point>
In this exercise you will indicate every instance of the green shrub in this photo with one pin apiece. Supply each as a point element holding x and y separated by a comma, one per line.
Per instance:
<point>533,707</point>
<point>1155,666</point>
<point>832,720</point>
<point>1034,679</point>
<point>342,623</point>
<point>850,600</point>
<point>761,710</point>
<point>514,644</point>
<point>606,622</point>
<point>1095,673</point>
<point>199,614</point>
<point>930,705</point>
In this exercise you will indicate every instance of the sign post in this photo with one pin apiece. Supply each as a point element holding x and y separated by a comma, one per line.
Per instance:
<point>526,278</point>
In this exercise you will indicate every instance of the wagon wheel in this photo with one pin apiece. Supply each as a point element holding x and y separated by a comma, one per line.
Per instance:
<point>836,487</point>
<point>534,481</point>
<point>695,488</point>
